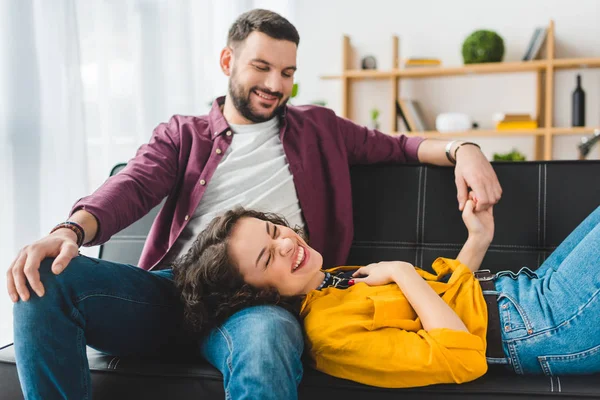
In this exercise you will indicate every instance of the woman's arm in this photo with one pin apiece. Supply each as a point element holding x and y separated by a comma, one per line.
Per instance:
<point>429,306</point>
<point>480,225</point>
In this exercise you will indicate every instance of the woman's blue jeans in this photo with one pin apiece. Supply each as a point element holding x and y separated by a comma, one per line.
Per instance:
<point>123,310</point>
<point>550,318</point>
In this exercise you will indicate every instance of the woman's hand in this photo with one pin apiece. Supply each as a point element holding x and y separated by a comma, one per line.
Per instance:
<point>380,273</point>
<point>480,224</point>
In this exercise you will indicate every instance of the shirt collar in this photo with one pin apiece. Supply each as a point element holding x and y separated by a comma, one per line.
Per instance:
<point>217,122</point>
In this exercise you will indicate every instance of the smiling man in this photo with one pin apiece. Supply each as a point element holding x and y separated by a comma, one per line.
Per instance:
<point>250,150</point>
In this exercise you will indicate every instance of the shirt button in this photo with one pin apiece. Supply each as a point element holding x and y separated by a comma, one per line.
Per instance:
<point>218,151</point>
<point>202,182</point>
<point>228,133</point>
<point>507,328</point>
<point>187,217</point>
<point>505,306</point>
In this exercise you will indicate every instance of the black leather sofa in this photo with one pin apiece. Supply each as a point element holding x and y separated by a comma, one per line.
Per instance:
<point>402,213</point>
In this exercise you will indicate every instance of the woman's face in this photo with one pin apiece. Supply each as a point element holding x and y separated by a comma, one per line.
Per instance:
<point>269,255</point>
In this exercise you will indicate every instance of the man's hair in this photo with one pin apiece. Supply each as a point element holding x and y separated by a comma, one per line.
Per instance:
<point>265,21</point>
<point>211,285</point>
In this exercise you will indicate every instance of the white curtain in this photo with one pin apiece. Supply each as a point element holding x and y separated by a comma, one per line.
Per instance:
<point>82,85</point>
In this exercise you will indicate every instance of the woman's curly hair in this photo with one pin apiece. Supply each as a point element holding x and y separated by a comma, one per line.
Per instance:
<point>211,286</point>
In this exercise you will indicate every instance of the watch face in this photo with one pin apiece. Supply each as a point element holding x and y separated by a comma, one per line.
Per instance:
<point>369,62</point>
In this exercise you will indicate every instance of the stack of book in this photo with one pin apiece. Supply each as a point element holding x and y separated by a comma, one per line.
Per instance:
<point>535,44</point>
<point>422,62</point>
<point>507,122</point>
<point>411,115</point>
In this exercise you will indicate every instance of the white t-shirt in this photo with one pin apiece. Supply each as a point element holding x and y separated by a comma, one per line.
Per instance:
<point>253,173</point>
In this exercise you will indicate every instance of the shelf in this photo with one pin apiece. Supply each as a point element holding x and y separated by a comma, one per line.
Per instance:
<point>472,69</point>
<point>469,69</point>
<point>497,133</point>
<point>543,71</point>
<point>573,131</point>
<point>475,133</point>
<point>570,63</point>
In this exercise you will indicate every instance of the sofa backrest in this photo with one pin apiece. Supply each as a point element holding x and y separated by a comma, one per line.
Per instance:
<point>410,213</point>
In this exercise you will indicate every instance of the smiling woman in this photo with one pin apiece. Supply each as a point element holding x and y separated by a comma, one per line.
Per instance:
<point>391,324</point>
<point>213,285</point>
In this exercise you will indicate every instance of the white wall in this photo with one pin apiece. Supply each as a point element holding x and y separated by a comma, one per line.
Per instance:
<point>438,28</point>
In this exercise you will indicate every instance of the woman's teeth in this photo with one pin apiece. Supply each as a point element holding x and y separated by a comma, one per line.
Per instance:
<point>300,258</point>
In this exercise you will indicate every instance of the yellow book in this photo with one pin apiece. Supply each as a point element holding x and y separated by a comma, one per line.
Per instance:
<point>506,126</point>
<point>422,62</point>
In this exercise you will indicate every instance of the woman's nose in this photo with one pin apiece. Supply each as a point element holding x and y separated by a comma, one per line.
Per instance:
<point>286,245</point>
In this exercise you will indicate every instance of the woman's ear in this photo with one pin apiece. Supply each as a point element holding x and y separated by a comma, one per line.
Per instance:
<point>226,60</point>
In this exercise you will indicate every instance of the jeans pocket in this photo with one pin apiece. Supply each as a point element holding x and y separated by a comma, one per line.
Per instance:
<point>583,362</point>
<point>512,316</point>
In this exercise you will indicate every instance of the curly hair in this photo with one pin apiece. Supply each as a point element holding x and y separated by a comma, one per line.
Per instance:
<point>211,285</point>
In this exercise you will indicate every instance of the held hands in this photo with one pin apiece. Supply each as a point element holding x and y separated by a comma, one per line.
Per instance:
<point>61,244</point>
<point>380,273</point>
<point>474,170</point>
<point>480,224</point>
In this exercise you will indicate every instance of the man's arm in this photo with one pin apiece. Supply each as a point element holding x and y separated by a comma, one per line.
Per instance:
<point>472,170</point>
<point>368,146</point>
<point>120,201</point>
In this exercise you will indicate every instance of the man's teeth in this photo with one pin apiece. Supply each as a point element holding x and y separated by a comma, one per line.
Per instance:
<point>264,96</point>
<point>300,257</point>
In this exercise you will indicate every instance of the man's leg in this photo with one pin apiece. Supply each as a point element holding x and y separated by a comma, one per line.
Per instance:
<point>116,308</point>
<point>258,350</point>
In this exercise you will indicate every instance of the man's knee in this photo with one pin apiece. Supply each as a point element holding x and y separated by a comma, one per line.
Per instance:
<point>266,330</point>
<point>55,287</point>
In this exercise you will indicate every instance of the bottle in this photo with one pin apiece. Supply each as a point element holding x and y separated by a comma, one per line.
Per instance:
<point>578,118</point>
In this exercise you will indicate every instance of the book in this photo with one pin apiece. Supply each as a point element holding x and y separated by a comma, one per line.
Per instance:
<point>507,126</point>
<point>412,115</point>
<point>422,62</point>
<point>410,121</point>
<point>535,44</point>
<point>416,114</point>
<point>400,113</point>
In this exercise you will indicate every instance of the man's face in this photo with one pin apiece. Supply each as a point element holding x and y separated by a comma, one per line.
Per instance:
<point>262,76</point>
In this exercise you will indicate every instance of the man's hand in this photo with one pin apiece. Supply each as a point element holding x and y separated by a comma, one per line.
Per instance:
<point>61,244</point>
<point>474,170</point>
<point>380,273</point>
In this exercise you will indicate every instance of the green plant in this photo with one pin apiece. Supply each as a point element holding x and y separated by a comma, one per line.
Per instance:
<point>374,114</point>
<point>294,91</point>
<point>514,155</point>
<point>483,46</point>
<point>321,103</point>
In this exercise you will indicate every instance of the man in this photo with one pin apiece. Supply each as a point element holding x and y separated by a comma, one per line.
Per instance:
<point>252,149</point>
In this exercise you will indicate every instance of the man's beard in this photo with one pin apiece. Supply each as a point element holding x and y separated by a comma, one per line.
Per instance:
<point>241,101</point>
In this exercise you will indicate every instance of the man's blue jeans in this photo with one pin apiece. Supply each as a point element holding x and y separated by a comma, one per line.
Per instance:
<point>123,310</point>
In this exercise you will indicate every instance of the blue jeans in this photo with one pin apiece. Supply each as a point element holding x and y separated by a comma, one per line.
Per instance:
<point>123,310</point>
<point>549,318</point>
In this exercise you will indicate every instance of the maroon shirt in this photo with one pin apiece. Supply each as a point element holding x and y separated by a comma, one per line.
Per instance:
<point>182,156</point>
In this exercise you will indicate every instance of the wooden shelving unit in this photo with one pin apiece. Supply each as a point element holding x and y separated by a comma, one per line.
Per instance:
<point>544,70</point>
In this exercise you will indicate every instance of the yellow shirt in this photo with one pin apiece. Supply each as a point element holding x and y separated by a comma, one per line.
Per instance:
<point>372,335</point>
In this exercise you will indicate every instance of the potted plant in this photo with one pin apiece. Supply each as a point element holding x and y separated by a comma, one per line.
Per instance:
<point>375,118</point>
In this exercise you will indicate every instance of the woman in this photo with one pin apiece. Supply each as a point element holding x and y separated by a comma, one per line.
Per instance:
<point>393,325</point>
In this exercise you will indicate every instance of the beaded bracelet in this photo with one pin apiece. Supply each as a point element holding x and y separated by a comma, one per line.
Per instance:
<point>75,227</point>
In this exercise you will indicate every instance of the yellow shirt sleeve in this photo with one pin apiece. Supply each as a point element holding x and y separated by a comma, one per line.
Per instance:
<point>373,336</point>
